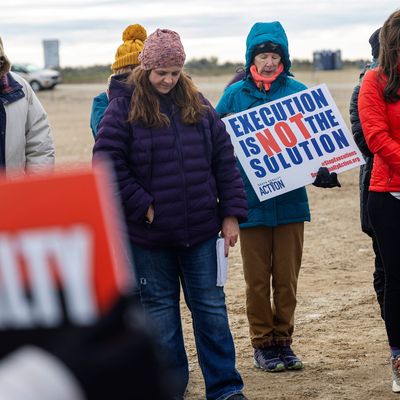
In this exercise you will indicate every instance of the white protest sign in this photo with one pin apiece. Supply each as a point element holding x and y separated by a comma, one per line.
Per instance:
<point>282,144</point>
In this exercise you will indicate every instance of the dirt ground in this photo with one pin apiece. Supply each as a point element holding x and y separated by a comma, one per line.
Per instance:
<point>338,333</point>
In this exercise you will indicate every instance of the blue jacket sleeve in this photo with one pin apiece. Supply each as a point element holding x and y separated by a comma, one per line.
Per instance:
<point>222,107</point>
<point>99,105</point>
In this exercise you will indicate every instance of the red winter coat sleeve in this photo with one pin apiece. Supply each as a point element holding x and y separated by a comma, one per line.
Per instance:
<point>381,126</point>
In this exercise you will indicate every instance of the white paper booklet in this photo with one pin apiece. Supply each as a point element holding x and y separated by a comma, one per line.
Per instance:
<point>222,263</point>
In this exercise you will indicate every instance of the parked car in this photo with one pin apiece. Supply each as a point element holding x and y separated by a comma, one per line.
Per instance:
<point>38,78</point>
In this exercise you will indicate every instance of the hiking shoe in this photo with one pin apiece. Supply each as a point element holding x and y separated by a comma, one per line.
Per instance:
<point>237,396</point>
<point>289,359</point>
<point>268,359</point>
<point>395,364</point>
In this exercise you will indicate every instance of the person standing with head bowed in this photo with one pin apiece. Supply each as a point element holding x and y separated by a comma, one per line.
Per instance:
<point>180,186</point>
<point>272,238</point>
<point>379,109</point>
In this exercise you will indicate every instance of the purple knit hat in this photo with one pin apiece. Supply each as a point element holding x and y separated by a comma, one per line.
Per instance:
<point>163,48</point>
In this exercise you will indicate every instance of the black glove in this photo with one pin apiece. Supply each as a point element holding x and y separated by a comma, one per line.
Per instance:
<point>117,358</point>
<point>325,179</point>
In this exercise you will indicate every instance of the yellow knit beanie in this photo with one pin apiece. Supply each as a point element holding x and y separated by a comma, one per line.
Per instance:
<point>128,53</point>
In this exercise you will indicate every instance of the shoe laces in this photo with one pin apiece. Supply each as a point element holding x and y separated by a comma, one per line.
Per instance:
<point>267,353</point>
<point>287,351</point>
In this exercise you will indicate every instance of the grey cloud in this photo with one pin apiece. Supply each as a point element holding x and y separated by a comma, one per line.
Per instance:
<point>190,26</point>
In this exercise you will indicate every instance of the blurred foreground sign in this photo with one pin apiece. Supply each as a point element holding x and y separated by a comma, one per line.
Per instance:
<point>282,144</point>
<point>61,255</point>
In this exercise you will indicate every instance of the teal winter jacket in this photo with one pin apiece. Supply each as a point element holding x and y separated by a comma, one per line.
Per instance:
<point>292,206</point>
<point>99,105</point>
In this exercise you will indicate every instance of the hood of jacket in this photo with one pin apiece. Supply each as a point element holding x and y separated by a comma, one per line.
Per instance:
<point>262,32</point>
<point>119,87</point>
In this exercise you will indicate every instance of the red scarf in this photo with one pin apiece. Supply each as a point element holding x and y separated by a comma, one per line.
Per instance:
<point>265,81</point>
<point>4,84</point>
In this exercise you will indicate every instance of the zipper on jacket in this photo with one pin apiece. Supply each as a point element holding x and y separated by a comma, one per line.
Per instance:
<point>179,148</point>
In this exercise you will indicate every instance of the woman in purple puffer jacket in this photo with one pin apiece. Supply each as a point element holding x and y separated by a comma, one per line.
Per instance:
<point>179,186</point>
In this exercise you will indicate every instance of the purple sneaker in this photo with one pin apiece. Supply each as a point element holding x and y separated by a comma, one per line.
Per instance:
<point>289,359</point>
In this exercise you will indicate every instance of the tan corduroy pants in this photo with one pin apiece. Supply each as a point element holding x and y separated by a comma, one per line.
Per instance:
<point>271,264</point>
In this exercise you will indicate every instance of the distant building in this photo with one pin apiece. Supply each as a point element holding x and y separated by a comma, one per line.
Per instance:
<point>327,60</point>
<point>51,53</point>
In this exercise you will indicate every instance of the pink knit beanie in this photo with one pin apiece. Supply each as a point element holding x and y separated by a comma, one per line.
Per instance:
<point>163,48</point>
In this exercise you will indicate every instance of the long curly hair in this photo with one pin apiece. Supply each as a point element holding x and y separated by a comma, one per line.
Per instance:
<point>389,56</point>
<point>145,104</point>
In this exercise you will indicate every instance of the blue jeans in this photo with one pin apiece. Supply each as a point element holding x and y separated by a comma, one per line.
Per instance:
<point>160,273</point>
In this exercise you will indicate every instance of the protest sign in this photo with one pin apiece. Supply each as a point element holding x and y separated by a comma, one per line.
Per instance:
<point>62,259</point>
<point>282,144</point>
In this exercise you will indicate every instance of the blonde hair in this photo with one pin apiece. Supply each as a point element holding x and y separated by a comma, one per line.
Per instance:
<point>122,70</point>
<point>145,104</point>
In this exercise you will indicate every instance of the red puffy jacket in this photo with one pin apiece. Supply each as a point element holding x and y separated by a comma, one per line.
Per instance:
<point>381,126</point>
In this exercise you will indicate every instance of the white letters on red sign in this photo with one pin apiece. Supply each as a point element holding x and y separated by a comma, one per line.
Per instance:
<point>71,250</point>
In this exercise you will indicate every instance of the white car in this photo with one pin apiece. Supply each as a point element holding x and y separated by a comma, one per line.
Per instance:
<point>38,78</point>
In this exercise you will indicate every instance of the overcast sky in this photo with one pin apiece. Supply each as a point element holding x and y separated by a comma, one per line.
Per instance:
<point>90,31</point>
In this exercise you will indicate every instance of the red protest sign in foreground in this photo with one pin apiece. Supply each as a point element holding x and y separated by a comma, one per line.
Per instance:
<point>61,253</point>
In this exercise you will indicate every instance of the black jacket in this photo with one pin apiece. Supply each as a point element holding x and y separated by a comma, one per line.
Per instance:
<point>365,170</point>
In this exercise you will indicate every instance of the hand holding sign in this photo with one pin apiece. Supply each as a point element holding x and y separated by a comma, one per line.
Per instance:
<point>326,179</point>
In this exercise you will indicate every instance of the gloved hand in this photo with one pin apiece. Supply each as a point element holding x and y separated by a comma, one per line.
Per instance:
<point>325,179</point>
<point>117,358</point>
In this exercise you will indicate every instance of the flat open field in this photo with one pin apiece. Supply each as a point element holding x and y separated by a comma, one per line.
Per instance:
<point>338,332</point>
